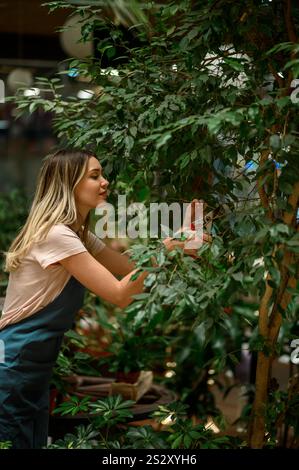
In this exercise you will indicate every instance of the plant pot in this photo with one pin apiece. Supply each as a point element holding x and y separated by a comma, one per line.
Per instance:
<point>133,391</point>
<point>130,386</point>
<point>93,352</point>
<point>127,377</point>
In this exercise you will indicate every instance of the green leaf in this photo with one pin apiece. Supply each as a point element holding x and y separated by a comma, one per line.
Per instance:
<point>162,140</point>
<point>233,358</point>
<point>286,187</point>
<point>161,258</point>
<point>177,442</point>
<point>32,107</point>
<point>129,142</point>
<point>238,276</point>
<point>234,63</point>
<point>150,280</point>
<point>133,131</point>
<point>187,441</point>
<point>275,141</point>
<point>142,296</point>
<point>275,275</point>
<point>171,30</point>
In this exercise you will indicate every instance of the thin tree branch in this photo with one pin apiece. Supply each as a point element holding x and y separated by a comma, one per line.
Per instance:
<point>279,79</point>
<point>289,216</point>
<point>291,35</point>
<point>261,189</point>
<point>289,22</point>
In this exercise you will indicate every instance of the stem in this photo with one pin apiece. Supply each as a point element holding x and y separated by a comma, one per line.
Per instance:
<point>261,189</point>
<point>289,22</point>
<point>279,79</point>
<point>172,273</point>
<point>256,434</point>
<point>291,35</point>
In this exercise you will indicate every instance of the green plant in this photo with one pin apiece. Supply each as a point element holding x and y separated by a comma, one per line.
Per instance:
<point>72,406</point>
<point>5,444</point>
<point>282,415</point>
<point>83,439</point>
<point>104,415</point>
<point>112,410</point>
<point>13,213</point>
<point>108,428</point>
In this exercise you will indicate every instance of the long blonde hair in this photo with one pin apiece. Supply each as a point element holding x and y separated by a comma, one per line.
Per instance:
<point>53,202</point>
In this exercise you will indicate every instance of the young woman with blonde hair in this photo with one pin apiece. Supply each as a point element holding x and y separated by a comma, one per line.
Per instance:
<point>51,261</point>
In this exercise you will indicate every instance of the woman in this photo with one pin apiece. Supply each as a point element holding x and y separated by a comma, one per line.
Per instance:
<point>51,261</point>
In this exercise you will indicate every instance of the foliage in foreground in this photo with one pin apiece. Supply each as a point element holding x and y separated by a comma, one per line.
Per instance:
<point>107,428</point>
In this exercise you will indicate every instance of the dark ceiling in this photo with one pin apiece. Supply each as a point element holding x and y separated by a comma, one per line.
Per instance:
<point>28,31</point>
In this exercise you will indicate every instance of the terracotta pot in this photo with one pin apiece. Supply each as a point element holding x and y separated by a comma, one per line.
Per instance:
<point>95,352</point>
<point>127,377</point>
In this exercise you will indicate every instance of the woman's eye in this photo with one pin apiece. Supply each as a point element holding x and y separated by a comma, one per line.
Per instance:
<point>94,177</point>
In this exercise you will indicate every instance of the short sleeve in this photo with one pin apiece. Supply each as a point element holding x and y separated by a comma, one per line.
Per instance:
<point>61,242</point>
<point>94,244</point>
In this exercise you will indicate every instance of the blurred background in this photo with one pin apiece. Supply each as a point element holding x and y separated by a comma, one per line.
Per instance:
<point>32,45</point>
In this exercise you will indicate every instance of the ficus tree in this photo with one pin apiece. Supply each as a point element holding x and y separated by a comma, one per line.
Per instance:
<point>199,99</point>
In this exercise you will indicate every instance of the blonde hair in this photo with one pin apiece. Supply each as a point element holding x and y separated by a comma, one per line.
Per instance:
<point>53,202</point>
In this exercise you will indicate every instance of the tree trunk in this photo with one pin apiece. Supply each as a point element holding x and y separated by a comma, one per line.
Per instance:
<point>257,426</point>
<point>269,326</point>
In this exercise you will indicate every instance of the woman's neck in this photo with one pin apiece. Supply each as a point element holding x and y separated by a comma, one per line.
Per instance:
<point>76,227</point>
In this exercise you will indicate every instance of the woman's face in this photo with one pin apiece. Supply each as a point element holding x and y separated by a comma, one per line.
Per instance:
<point>92,189</point>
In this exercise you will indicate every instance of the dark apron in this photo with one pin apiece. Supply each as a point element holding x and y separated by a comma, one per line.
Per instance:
<point>31,350</point>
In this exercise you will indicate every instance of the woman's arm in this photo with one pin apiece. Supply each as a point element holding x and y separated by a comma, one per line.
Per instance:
<point>120,264</point>
<point>116,262</point>
<point>95,277</point>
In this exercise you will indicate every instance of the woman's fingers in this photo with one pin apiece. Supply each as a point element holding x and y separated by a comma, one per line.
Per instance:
<point>171,243</point>
<point>207,238</point>
<point>190,214</point>
<point>190,252</point>
<point>193,241</point>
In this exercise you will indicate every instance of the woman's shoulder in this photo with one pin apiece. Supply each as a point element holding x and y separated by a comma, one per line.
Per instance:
<point>60,242</point>
<point>59,233</point>
<point>59,229</point>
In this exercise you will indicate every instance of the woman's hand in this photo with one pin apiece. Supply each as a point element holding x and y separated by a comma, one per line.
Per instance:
<point>171,243</point>
<point>192,241</point>
<point>194,213</point>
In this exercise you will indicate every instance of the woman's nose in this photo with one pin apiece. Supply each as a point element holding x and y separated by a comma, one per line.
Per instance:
<point>104,183</point>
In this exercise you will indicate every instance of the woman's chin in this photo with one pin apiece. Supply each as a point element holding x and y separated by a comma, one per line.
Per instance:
<point>101,201</point>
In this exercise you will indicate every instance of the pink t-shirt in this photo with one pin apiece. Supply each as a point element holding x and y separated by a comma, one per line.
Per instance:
<point>37,281</point>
